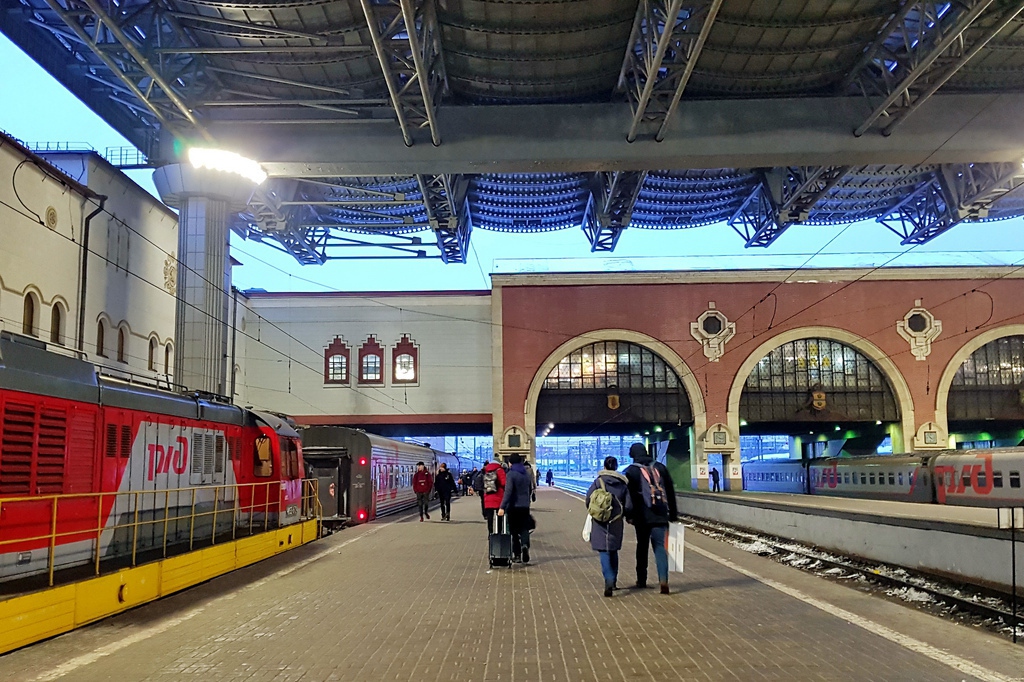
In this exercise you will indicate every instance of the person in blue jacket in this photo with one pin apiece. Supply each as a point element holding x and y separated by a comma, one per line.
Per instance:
<point>606,537</point>
<point>516,505</point>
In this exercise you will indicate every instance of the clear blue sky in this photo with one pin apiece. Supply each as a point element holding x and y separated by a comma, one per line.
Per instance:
<point>35,108</point>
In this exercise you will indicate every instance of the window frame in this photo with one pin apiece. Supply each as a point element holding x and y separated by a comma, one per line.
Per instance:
<point>337,349</point>
<point>405,347</point>
<point>371,348</point>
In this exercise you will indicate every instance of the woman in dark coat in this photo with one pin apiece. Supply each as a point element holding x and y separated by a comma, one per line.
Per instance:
<point>606,537</point>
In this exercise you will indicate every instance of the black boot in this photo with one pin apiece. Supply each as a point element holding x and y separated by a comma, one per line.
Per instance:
<point>608,588</point>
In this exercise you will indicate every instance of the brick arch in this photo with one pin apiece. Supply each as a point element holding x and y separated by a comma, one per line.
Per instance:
<point>673,359</point>
<point>959,357</point>
<point>904,398</point>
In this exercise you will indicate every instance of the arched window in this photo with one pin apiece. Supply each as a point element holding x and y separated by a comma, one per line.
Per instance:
<point>371,368</point>
<point>167,359</point>
<point>122,342</point>
<point>101,345</point>
<point>152,354</point>
<point>405,358</point>
<point>371,362</point>
<point>405,368</point>
<point>337,368</point>
<point>57,324</point>
<point>336,357</point>
<point>28,320</point>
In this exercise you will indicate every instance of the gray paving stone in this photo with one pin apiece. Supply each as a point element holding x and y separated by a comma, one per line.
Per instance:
<point>415,601</point>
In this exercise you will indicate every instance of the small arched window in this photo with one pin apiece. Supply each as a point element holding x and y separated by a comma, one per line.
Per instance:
<point>337,368</point>
<point>371,362</point>
<point>122,342</point>
<point>152,355</point>
<point>101,342</point>
<point>405,368</point>
<point>371,368</point>
<point>167,359</point>
<point>28,320</point>
<point>57,324</point>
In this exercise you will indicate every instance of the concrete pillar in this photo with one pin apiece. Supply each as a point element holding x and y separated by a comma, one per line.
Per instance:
<point>204,283</point>
<point>205,198</point>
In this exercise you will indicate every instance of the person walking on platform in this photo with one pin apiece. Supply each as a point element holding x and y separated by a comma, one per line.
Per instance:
<point>445,486</point>
<point>608,501</point>
<point>422,485</point>
<point>654,506</point>
<point>492,490</point>
<point>516,505</point>
<point>714,480</point>
<point>550,477</point>
<point>533,479</point>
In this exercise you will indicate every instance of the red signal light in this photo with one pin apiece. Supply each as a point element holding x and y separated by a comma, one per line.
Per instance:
<point>363,461</point>
<point>361,515</point>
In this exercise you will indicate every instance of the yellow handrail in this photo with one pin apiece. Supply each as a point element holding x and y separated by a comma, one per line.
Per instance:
<point>309,508</point>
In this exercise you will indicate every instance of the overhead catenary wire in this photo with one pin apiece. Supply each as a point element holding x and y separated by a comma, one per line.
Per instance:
<point>377,301</point>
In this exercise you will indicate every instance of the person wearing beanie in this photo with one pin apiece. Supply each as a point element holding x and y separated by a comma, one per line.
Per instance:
<point>516,505</point>
<point>653,499</point>
<point>606,532</point>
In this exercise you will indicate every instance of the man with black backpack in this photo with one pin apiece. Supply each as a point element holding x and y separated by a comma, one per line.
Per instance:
<point>654,507</point>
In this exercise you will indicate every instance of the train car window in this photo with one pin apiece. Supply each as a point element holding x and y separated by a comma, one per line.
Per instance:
<point>965,480</point>
<point>892,479</point>
<point>872,478</point>
<point>982,479</point>
<point>263,458</point>
<point>1014,479</point>
<point>900,477</point>
<point>997,479</point>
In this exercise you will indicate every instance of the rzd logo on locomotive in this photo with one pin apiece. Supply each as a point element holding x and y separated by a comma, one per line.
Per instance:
<point>163,459</point>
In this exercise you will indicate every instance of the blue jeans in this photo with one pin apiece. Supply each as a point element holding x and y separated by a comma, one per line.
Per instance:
<point>657,537</point>
<point>609,566</point>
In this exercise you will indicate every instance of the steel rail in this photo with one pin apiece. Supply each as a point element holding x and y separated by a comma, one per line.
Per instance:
<point>963,22</point>
<point>652,66</point>
<point>389,77</point>
<point>145,64</point>
<point>88,41</point>
<point>422,70</point>
<point>939,593</point>
<point>985,38</point>
<point>691,62</point>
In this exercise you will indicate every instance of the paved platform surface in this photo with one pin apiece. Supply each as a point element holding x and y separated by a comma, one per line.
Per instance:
<point>404,600</point>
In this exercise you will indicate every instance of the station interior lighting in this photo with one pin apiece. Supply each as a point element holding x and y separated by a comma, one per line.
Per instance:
<point>228,162</point>
<point>878,422</point>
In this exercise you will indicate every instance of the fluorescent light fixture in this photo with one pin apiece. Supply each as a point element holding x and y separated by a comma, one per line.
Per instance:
<point>228,162</point>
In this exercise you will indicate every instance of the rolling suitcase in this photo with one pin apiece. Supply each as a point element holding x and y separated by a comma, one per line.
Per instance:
<point>499,544</point>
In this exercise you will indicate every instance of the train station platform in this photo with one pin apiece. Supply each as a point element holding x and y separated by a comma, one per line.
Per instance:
<point>403,600</point>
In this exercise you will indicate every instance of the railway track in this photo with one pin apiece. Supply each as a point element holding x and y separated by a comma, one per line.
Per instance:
<point>989,607</point>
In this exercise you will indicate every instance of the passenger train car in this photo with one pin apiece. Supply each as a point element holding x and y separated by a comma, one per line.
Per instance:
<point>102,468</point>
<point>362,476</point>
<point>978,478</point>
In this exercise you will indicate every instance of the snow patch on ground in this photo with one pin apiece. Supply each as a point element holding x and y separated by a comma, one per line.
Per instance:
<point>758,547</point>
<point>911,595</point>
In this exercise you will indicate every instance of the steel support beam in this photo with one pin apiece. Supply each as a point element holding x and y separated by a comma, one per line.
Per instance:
<point>610,207</point>
<point>666,41</point>
<point>108,37</point>
<point>407,41</point>
<point>784,196</point>
<point>591,137</point>
<point>444,197</point>
<point>922,46</point>
<point>956,193</point>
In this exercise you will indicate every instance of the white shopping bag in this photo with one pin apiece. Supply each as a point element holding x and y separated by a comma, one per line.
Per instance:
<point>587,525</point>
<point>675,547</point>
